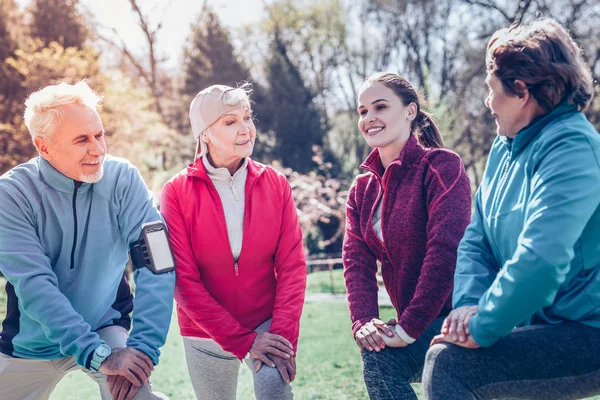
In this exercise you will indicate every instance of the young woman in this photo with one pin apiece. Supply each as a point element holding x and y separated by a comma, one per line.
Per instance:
<point>531,255</point>
<point>240,266</point>
<point>409,211</point>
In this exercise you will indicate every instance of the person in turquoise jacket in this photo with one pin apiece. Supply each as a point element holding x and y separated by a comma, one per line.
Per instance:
<point>530,258</point>
<point>67,221</point>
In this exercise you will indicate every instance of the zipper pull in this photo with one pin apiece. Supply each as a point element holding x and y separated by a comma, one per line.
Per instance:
<point>235,265</point>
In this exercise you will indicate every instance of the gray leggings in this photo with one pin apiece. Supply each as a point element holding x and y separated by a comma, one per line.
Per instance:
<point>536,362</point>
<point>214,372</point>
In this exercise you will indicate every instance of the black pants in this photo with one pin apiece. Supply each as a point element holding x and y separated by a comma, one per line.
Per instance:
<point>388,373</point>
<point>537,362</point>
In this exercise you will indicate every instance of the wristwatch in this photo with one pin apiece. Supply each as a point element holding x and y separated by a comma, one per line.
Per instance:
<point>100,354</point>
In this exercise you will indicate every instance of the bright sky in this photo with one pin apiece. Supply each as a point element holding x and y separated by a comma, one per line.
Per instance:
<point>177,17</point>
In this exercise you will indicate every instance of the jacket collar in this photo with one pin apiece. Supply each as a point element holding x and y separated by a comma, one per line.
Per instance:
<point>57,180</point>
<point>410,154</point>
<point>197,169</point>
<point>525,135</point>
<point>222,175</point>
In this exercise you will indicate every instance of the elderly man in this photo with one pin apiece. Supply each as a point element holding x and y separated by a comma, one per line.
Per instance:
<point>68,220</point>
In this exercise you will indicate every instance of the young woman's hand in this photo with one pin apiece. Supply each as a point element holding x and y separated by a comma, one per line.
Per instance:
<point>388,333</point>
<point>370,335</point>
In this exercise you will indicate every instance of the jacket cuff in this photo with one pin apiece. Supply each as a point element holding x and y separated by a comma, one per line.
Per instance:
<point>465,303</point>
<point>481,335</point>
<point>411,326</point>
<point>244,349</point>
<point>403,335</point>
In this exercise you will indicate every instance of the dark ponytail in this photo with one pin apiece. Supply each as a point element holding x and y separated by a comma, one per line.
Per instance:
<point>424,126</point>
<point>427,131</point>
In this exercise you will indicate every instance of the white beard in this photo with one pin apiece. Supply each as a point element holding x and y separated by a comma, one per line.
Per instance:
<point>94,177</point>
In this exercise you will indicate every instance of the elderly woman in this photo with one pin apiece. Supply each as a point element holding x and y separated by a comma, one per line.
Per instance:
<point>241,270</point>
<point>531,256</point>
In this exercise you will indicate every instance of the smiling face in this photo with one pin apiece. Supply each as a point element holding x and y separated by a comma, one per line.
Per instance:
<point>507,110</point>
<point>231,137</point>
<point>384,120</point>
<point>77,147</point>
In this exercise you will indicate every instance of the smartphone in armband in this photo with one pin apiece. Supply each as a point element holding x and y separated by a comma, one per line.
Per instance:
<point>153,250</point>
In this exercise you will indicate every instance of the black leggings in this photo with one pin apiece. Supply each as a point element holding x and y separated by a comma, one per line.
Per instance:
<point>536,362</point>
<point>388,373</point>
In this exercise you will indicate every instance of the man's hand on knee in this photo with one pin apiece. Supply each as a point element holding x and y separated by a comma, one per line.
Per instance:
<point>121,388</point>
<point>129,363</point>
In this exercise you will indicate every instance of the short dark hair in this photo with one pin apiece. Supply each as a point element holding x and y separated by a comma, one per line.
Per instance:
<point>542,55</point>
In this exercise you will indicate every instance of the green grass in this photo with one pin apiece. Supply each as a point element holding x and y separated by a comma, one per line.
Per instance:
<point>326,282</point>
<point>329,365</point>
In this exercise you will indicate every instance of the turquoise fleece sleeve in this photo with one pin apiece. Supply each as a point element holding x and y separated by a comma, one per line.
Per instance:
<point>26,266</point>
<point>565,187</point>
<point>476,266</point>
<point>153,302</point>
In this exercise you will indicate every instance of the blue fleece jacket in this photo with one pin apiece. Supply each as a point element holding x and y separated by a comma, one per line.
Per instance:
<point>63,249</point>
<point>532,251</point>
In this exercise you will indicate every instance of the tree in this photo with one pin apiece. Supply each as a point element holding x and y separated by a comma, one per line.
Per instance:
<point>296,120</point>
<point>58,21</point>
<point>10,90</point>
<point>52,65</point>
<point>210,59</point>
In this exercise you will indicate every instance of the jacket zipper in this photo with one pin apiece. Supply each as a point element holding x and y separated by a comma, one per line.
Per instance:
<point>506,167</point>
<point>77,185</point>
<point>235,263</point>
<point>383,182</point>
<point>385,257</point>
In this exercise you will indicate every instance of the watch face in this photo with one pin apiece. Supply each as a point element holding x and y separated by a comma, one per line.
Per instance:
<point>103,351</point>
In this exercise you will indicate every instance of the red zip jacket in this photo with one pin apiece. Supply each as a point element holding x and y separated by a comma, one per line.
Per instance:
<point>216,297</point>
<point>426,209</point>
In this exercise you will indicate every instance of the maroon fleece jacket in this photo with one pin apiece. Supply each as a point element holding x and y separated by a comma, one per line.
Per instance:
<point>426,209</point>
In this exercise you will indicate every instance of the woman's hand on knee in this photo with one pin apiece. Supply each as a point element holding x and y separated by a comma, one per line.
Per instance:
<point>469,343</point>
<point>456,324</point>
<point>270,343</point>
<point>369,337</point>
<point>388,333</point>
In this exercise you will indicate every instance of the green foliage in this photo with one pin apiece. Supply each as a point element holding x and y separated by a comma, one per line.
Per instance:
<point>31,67</point>
<point>209,58</point>
<point>296,120</point>
<point>347,143</point>
<point>137,132</point>
<point>58,21</point>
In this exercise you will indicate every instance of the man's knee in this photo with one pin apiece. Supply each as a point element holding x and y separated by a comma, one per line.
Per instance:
<point>145,393</point>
